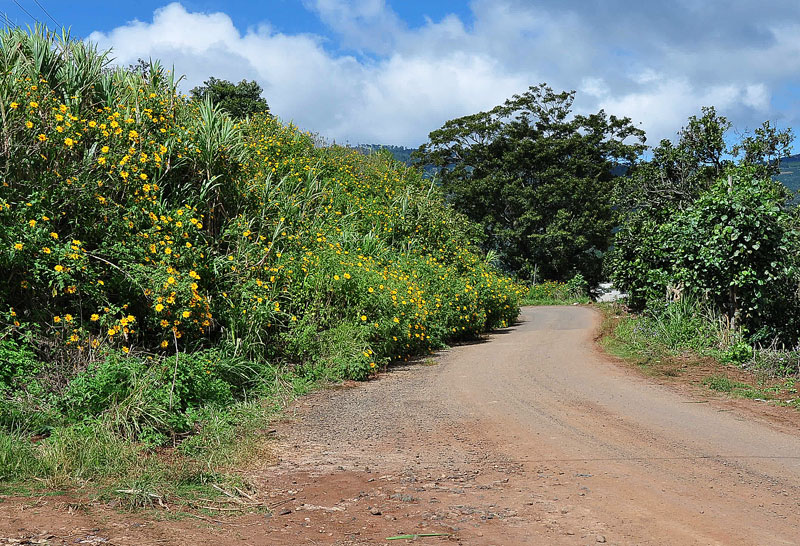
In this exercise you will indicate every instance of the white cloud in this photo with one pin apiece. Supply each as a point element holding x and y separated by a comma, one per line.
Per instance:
<point>655,66</point>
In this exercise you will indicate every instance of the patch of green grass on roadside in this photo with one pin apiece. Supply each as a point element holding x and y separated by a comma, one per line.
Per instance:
<point>722,383</point>
<point>105,466</point>
<point>676,341</point>
<point>558,293</point>
<point>782,393</point>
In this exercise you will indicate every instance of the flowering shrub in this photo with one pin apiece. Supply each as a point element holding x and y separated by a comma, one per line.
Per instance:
<point>142,232</point>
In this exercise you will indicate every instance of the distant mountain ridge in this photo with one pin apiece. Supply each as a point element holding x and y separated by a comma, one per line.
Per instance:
<point>790,172</point>
<point>400,153</point>
<point>789,175</point>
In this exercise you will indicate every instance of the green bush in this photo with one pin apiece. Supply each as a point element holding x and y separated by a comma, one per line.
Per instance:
<point>734,247</point>
<point>162,260</point>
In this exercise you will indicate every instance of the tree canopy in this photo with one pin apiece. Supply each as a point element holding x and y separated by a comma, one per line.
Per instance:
<point>537,177</point>
<point>240,100</point>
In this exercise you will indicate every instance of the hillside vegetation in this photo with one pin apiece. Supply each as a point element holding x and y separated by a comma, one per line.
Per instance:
<point>164,264</point>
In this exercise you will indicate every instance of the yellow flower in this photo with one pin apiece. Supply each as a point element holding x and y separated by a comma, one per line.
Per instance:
<point>92,124</point>
<point>171,280</point>
<point>56,319</point>
<point>68,317</point>
<point>159,307</point>
<point>95,317</point>
<point>69,142</point>
<point>347,275</point>
<point>125,350</point>
<point>59,268</point>
<point>18,246</point>
<point>363,317</point>
<point>42,137</point>
<point>104,149</point>
<point>32,223</point>
<point>111,331</point>
<point>62,108</point>
<point>336,277</point>
<point>14,105</point>
<point>54,235</point>
<point>187,314</point>
<point>34,104</point>
<point>29,124</point>
<point>143,176</point>
<point>164,344</point>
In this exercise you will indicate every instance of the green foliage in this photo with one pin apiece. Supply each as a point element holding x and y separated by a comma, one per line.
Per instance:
<point>164,263</point>
<point>239,100</point>
<point>17,457</point>
<point>575,290</point>
<point>679,173</point>
<point>722,383</point>
<point>733,246</point>
<point>738,353</point>
<point>672,329</point>
<point>537,178</point>
<point>18,364</point>
<point>695,221</point>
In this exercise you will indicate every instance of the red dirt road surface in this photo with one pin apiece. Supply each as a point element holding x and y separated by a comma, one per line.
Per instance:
<point>532,437</point>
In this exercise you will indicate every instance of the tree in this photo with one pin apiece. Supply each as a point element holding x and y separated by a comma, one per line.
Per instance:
<point>707,218</point>
<point>240,100</point>
<point>679,173</point>
<point>537,178</point>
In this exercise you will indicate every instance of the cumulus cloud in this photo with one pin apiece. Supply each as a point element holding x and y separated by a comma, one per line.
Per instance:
<point>379,80</point>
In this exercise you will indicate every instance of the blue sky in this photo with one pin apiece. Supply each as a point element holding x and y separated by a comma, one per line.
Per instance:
<point>286,16</point>
<point>390,71</point>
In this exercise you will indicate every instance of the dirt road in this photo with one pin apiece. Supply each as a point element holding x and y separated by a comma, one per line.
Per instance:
<point>532,437</point>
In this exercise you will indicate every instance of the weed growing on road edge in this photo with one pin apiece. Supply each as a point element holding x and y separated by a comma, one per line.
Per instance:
<point>682,337</point>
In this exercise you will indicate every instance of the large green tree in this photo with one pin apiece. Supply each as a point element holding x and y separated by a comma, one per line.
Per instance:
<point>240,100</point>
<point>537,177</point>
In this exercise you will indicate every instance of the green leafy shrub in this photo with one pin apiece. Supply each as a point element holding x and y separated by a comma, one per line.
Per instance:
<point>733,247</point>
<point>162,260</point>
<point>18,364</point>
